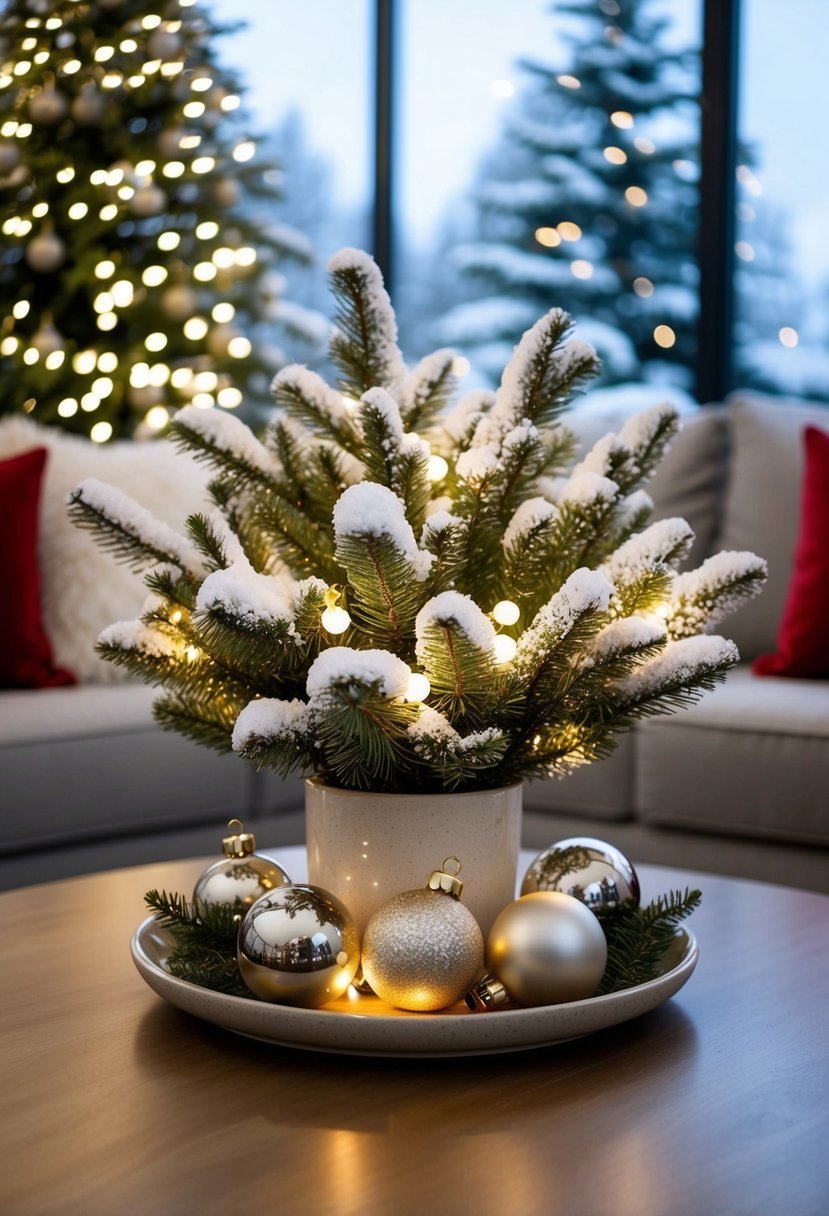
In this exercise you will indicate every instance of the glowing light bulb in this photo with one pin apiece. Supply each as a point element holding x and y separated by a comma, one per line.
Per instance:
<point>108,212</point>
<point>437,468</point>
<point>175,616</point>
<point>103,302</point>
<point>636,196</point>
<point>223,312</point>
<point>239,348</point>
<point>418,687</point>
<point>105,269</point>
<point>153,276</point>
<point>203,401</point>
<point>788,337</point>
<point>569,82</point>
<point>9,345</point>
<point>123,293</point>
<point>231,102</point>
<point>173,168</point>
<point>156,418</point>
<point>90,402</point>
<point>229,398</point>
<point>191,654</point>
<point>21,309</point>
<point>128,45</point>
<point>664,336</point>
<point>39,210</point>
<point>203,164</point>
<point>245,256</point>
<point>144,168</point>
<point>205,382</point>
<point>548,237</point>
<point>622,119</point>
<point>615,156</point>
<point>65,175</point>
<point>107,321</point>
<point>103,53</point>
<point>151,21</point>
<point>504,648</point>
<point>140,375</point>
<point>181,377</point>
<point>55,359</point>
<point>223,257</point>
<point>206,230</point>
<point>31,355</point>
<point>168,241</point>
<point>101,432</point>
<point>581,269</point>
<point>195,328</point>
<point>189,141</point>
<point>103,386</point>
<point>77,211</point>
<point>107,361</point>
<point>84,362</point>
<point>68,407</point>
<point>155,341</point>
<point>335,620</point>
<point>193,109</point>
<point>643,287</point>
<point>204,272</point>
<point>569,231</point>
<point>506,612</point>
<point>159,374</point>
<point>244,150</point>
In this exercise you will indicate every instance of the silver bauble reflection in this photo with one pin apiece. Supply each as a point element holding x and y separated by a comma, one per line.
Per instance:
<point>547,948</point>
<point>590,870</point>
<point>298,945</point>
<point>238,880</point>
<point>422,950</point>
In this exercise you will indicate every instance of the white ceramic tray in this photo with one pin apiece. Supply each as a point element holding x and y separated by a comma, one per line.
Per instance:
<point>363,1025</point>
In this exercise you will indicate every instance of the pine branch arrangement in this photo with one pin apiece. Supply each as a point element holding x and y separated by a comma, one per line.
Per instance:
<point>451,607</point>
<point>204,951</point>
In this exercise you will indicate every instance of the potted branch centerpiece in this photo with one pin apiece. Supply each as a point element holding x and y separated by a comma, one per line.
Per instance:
<point>416,602</point>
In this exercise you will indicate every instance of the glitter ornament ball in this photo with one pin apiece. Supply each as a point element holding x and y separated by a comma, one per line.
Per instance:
<point>423,949</point>
<point>591,870</point>
<point>547,948</point>
<point>298,945</point>
<point>242,876</point>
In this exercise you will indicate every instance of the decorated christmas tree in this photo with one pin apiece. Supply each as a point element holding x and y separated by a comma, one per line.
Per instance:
<point>589,198</point>
<point>132,278</point>
<point>398,592</point>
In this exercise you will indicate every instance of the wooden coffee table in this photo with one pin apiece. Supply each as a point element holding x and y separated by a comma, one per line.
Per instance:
<point>115,1103</point>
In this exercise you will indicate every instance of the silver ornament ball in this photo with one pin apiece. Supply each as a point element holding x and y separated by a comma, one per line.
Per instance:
<point>9,156</point>
<point>45,253</point>
<point>88,107</point>
<point>590,870</point>
<point>163,44</point>
<point>422,950</point>
<point>298,945</point>
<point>148,200</point>
<point>546,949</point>
<point>179,302</point>
<point>238,881</point>
<point>47,107</point>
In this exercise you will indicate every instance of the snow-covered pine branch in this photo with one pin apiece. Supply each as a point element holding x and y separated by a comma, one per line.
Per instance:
<point>458,757</point>
<point>376,546</point>
<point>227,444</point>
<point>129,531</point>
<point>675,678</point>
<point>454,649</point>
<point>276,734</point>
<point>427,390</point>
<point>364,345</point>
<point>392,457</point>
<point>304,395</point>
<point>641,568</point>
<point>701,598</point>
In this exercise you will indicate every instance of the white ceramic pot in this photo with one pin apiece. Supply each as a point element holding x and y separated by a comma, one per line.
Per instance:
<point>367,847</point>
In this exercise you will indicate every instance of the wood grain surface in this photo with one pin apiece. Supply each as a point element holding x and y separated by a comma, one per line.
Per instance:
<point>114,1103</point>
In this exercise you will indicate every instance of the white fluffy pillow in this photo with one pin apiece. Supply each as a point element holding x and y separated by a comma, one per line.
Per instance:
<point>82,588</point>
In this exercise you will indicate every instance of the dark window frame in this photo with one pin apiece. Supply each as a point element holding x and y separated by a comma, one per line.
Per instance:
<point>718,164</point>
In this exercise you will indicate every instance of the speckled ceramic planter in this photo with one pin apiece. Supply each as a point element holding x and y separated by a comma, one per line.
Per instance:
<point>367,847</point>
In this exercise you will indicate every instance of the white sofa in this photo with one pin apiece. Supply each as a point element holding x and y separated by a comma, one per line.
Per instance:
<point>739,783</point>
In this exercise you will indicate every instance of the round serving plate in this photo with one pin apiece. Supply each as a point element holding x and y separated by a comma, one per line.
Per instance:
<point>362,1025</point>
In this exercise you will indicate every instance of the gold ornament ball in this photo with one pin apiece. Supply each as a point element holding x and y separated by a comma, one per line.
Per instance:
<point>547,948</point>
<point>298,945</point>
<point>422,950</point>
<point>590,870</point>
<point>238,880</point>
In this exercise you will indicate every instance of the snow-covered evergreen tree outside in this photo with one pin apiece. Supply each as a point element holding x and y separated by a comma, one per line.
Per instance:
<point>397,591</point>
<point>589,198</point>
<point>132,276</point>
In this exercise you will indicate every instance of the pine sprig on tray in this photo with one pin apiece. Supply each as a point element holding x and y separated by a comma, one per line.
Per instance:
<point>637,939</point>
<point>205,941</point>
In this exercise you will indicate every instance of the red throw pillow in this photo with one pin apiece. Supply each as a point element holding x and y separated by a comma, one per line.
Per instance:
<point>25,653</point>
<point>803,635</point>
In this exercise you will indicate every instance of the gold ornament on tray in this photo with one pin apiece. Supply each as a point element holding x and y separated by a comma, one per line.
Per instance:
<point>423,948</point>
<point>545,948</point>
<point>298,946</point>
<point>242,875</point>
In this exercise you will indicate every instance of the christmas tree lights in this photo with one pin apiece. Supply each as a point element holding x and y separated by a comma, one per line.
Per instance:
<point>125,163</point>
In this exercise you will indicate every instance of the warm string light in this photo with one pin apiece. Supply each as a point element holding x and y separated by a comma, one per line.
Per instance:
<point>334,618</point>
<point>418,687</point>
<point>504,648</point>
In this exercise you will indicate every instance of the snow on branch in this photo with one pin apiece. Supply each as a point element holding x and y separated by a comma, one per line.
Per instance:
<point>368,509</point>
<point>340,665</point>
<point>365,344</point>
<point>129,530</point>
<point>214,434</point>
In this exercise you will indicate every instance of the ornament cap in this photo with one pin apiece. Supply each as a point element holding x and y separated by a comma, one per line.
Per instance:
<point>488,993</point>
<point>239,843</point>
<point>442,880</point>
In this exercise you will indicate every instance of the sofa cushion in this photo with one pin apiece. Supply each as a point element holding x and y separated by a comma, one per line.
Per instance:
<point>803,638</point>
<point>25,653</point>
<point>689,482</point>
<point>761,503</point>
<point>750,759</point>
<point>90,761</point>
<point>82,588</point>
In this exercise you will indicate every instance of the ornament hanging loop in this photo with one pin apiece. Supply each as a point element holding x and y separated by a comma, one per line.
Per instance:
<point>443,880</point>
<point>239,843</point>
